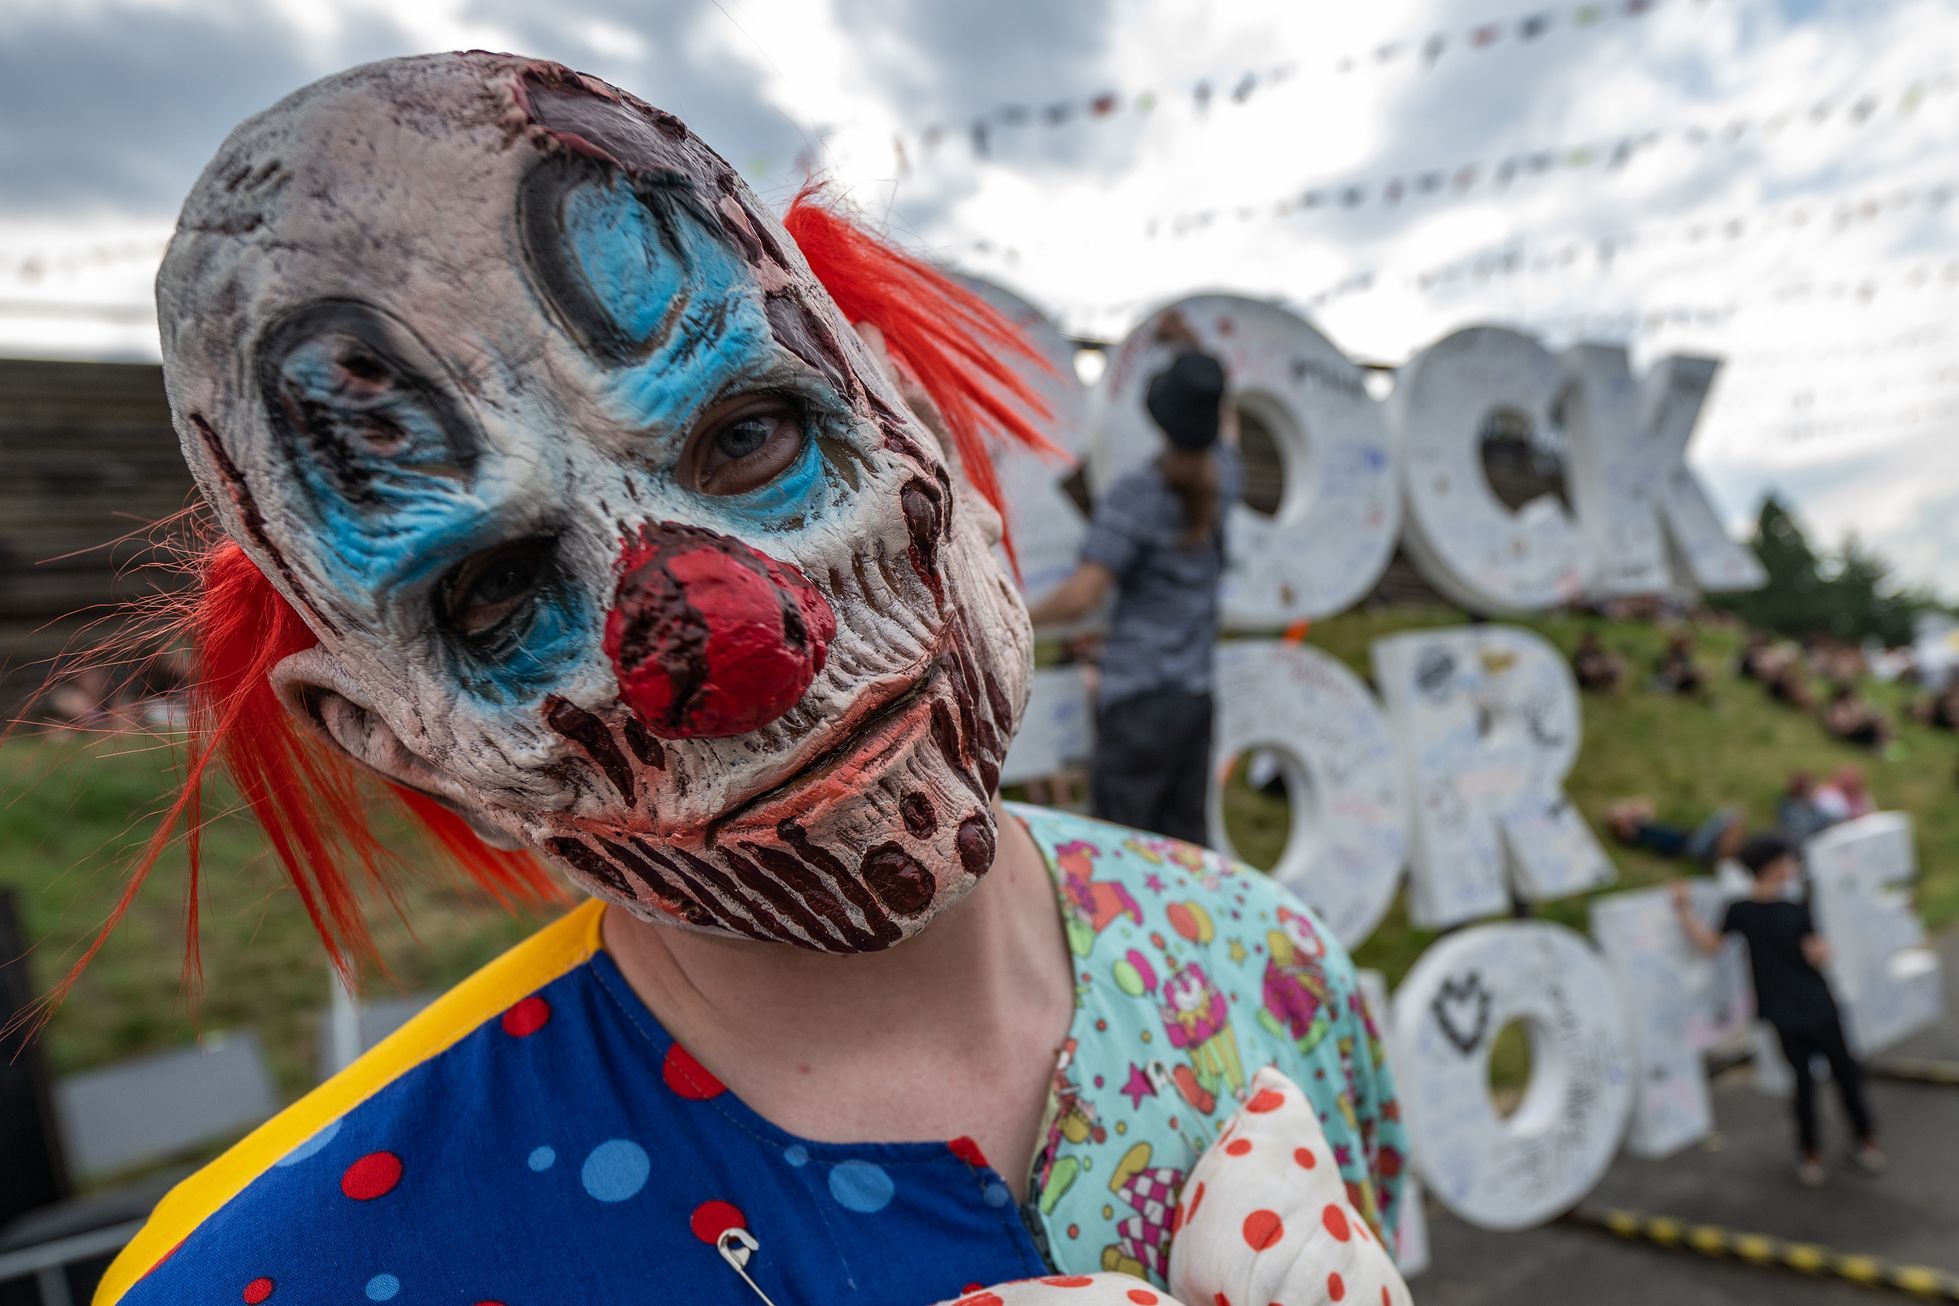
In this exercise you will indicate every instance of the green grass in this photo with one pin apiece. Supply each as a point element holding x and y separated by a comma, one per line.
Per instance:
<point>72,813</point>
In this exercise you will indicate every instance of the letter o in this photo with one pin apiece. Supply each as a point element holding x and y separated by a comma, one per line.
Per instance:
<point>1335,527</point>
<point>1348,839</point>
<point>1512,1172</point>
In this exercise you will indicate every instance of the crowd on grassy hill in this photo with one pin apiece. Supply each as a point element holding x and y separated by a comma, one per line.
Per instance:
<point>1790,673</point>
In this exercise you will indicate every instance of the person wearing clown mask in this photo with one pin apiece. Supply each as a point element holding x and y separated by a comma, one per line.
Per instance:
<point>636,538</point>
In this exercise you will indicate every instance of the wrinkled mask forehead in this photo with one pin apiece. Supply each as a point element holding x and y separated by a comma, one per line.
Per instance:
<point>614,535</point>
<point>419,262</point>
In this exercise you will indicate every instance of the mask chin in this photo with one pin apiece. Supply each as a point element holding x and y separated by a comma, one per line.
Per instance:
<point>314,689</point>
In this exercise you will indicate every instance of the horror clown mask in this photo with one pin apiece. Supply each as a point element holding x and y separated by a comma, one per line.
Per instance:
<point>615,536</point>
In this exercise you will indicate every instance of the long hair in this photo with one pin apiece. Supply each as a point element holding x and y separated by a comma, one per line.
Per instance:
<point>309,798</point>
<point>1192,475</point>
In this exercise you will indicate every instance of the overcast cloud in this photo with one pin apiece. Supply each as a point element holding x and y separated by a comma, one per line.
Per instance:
<point>1841,388</point>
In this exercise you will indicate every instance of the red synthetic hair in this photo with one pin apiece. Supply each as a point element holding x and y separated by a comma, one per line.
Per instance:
<point>309,798</point>
<point>961,349</point>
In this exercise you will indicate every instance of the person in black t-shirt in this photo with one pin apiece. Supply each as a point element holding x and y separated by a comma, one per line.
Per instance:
<point>1785,957</point>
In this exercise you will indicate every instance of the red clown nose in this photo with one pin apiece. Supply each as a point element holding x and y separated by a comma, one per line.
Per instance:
<point>709,637</point>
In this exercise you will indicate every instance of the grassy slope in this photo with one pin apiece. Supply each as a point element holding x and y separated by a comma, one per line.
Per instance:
<point>70,814</point>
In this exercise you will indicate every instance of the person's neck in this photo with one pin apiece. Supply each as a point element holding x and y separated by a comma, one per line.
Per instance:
<point>974,978</point>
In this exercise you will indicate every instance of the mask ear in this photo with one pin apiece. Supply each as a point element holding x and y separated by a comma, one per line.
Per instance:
<point>992,525</point>
<point>319,694</point>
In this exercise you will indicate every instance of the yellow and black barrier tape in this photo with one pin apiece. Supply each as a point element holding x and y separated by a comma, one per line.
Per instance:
<point>1916,1070</point>
<point>1761,1249</point>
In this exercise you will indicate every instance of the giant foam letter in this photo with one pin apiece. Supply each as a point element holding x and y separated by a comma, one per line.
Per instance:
<point>1630,481</point>
<point>1057,731</point>
<point>1886,977</point>
<point>1487,723</point>
<point>1511,1172</point>
<point>1348,839</point>
<point>1678,1002</point>
<point>1335,528</point>
<point>1047,526</point>
<point>1471,547</point>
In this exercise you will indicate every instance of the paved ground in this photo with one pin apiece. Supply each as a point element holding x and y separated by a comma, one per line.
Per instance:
<point>1740,1179</point>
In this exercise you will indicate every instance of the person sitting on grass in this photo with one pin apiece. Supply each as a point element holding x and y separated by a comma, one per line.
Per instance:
<point>1631,821</point>
<point>1785,957</point>
<point>1799,813</point>
<point>1787,686</point>
<point>1939,710</point>
<point>1597,668</point>
<point>1847,796</point>
<point>1849,718</point>
<point>1760,659</point>
<point>1677,672</point>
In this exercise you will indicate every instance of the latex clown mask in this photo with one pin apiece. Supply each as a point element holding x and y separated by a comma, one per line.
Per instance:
<point>613,534</point>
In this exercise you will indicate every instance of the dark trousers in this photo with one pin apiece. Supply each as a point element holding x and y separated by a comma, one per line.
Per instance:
<point>1802,1047</point>
<point>1152,765</point>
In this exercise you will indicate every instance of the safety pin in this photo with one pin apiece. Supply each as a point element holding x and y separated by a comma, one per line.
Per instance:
<point>736,1245</point>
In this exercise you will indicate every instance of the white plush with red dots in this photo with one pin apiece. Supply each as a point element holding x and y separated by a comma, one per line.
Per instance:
<point>1264,1221</point>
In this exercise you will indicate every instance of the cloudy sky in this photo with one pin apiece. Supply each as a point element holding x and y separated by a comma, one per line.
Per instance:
<point>1772,181</point>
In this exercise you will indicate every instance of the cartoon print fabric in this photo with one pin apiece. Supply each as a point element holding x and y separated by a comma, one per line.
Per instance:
<point>1192,974</point>
<point>538,1138</point>
<point>1264,1218</point>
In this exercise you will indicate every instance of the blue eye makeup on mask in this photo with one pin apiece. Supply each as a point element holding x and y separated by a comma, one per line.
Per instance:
<point>789,497</point>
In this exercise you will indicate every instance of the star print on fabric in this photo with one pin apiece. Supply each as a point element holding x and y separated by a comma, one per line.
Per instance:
<point>1138,1087</point>
<point>1237,949</point>
<point>1154,882</point>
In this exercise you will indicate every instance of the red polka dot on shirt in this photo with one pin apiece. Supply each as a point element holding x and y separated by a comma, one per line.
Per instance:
<point>1305,1157</point>
<point>1266,1099</point>
<point>374,1175</point>
<point>1068,1281</point>
<point>258,1290</point>
<point>1336,1287</point>
<point>712,1219</point>
<point>1238,1147</point>
<point>527,1017</point>
<point>1143,1297</point>
<point>968,1151</point>
<point>687,1077</point>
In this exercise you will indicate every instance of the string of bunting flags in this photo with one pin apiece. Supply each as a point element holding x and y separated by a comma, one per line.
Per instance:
<point>1436,186</point>
<point>1856,111</point>
<point>32,265</point>
<point>1424,51</point>
<point>1513,257</point>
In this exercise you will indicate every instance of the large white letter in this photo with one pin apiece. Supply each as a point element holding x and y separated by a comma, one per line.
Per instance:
<point>1047,526</point>
<point>1678,1002</point>
<point>1511,1172</point>
<point>1349,834</point>
<point>1884,975</point>
<point>1057,731</point>
<point>1468,544</point>
<point>1335,528</point>
<point>1630,482</point>
<point>1487,722</point>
